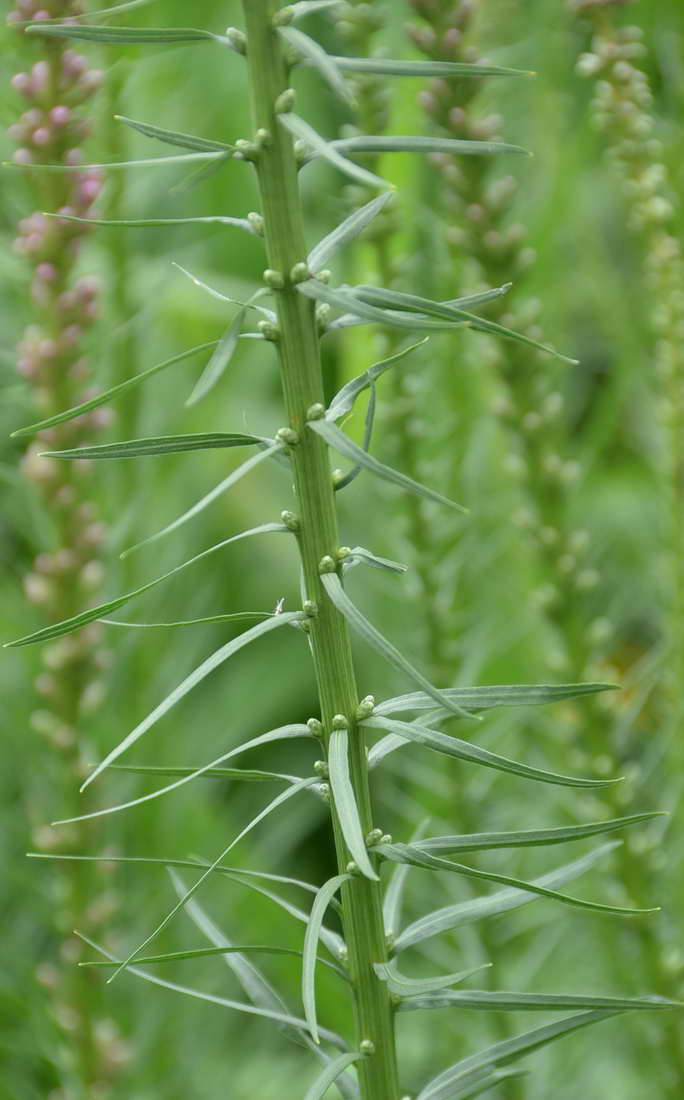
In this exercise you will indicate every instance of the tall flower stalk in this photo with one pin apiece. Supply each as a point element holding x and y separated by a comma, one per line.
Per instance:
<point>281,145</point>
<point>55,94</point>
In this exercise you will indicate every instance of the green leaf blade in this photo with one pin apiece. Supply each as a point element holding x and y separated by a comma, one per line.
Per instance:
<point>310,950</point>
<point>345,802</point>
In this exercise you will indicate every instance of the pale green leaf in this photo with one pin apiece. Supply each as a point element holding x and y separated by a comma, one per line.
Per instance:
<point>332,1073</point>
<point>345,446</point>
<point>176,137</point>
<point>181,158</point>
<point>359,556</point>
<point>488,696</point>
<point>309,50</point>
<point>345,802</point>
<point>530,1002</point>
<point>375,639</point>
<point>343,401</point>
<point>125,36</point>
<point>219,361</point>
<point>158,445</point>
<point>328,151</point>
<point>414,988</point>
<point>346,231</point>
<point>310,952</point>
<point>144,223</point>
<point>231,617</point>
<point>378,146</point>
<point>344,299</point>
<point>385,66</point>
<point>477,842</point>
<point>394,891</point>
<point>93,613</point>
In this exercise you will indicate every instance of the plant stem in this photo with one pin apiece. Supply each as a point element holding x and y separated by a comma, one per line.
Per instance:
<point>301,375</point>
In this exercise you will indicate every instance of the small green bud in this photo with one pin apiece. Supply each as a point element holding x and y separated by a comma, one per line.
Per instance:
<point>374,837</point>
<point>343,553</point>
<point>315,727</point>
<point>367,1046</point>
<point>257,222</point>
<point>324,792</point>
<point>247,149</point>
<point>300,272</point>
<point>352,868</point>
<point>283,17</point>
<point>339,722</point>
<point>343,953</point>
<point>321,768</point>
<point>269,331</point>
<point>290,520</point>
<point>304,625</point>
<point>287,435</point>
<point>285,101</point>
<point>386,838</point>
<point>263,138</point>
<point>327,565</point>
<point>315,412</point>
<point>338,476</point>
<point>310,608</point>
<point>324,276</point>
<point>237,39</point>
<point>365,708</point>
<point>274,279</point>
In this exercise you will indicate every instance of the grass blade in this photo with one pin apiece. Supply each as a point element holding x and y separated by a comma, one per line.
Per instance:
<point>232,617</point>
<point>332,1072</point>
<point>345,802</point>
<point>182,158</point>
<point>328,151</point>
<point>400,144</point>
<point>531,1002</point>
<point>196,677</point>
<point>310,953</point>
<point>360,556</point>
<point>394,891</point>
<point>144,223</point>
<point>385,66</point>
<point>209,498</point>
<point>346,232</point>
<point>375,639</point>
<point>465,750</point>
<point>417,858</point>
<point>487,696</point>
<point>176,137</point>
<point>345,446</point>
<point>309,50</point>
<point>125,36</point>
<point>219,361</point>
<point>347,302</point>
<point>98,612</point>
<point>482,842</point>
<point>158,445</point>
<point>111,394</point>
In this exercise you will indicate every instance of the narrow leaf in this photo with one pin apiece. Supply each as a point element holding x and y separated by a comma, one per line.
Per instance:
<point>464,750</point>
<point>159,445</point>
<point>327,149</point>
<point>311,937</point>
<point>509,1050</point>
<point>93,613</point>
<point>281,733</point>
<point>176,137</point>
<point>394,891</point>
<point>495,695</point>
<point>406,853</point>
<point>232,617</point>
<point>345,300</point>
<point>181,158</point>
<point>301,8</point>
<point>111,394</point>
<point>384,66</point>
<point>309,50</point>
<point>196,677</point>
<point>241,775</point>
<point>125,35</point>
<point>343,401</point>
<point>349,320</point>
<point>476,909</point>
<point>143,223</point>
<point>530,1002</point>
<point>267,313</point>
<point>209,498</point>
<point>332,1072</point>
<point>345,446</point>
<point>480,1083</point>
<point>346,231</point>
<point>252,1010</point>
<point>375,639</point>
<point>345,802</point>
<point>400,144</point>
<point>390,299</point>
<point>219,361</point>
<point>414,987</point>
<point>476,842</point>
<point>359,556</point>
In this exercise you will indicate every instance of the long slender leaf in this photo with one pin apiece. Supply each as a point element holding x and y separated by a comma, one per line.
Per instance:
<point>311,51</point>
<point>200,953</point>
<point>482,1082</point>
<point>332,1073</point>
<point>111,394</point>
<point>470,301</point>
<point>144,223</point>
<point>375,639</point>
<point>219,361</point>
<point>360,556</point>
<point>503,901</point>
<point>328,151</point>
<point>478,842</point>
<point>98,612</point>
<point>125,36</point>
<point>402,144</point>
<point>252,1010</point>
<point>181,158</point>
<point>281,733</point>
<point>251,304</point>
<point>346,301</point>
<point>196,677</point>
<point>343,401</point>
<point>394,891</point>
<point>346,231</point>
<point>310,952</point>
<point>405,853</point>
<point>345,446</point>
<point>231,617</point>
<point>209,498</point>
<point>495,695</point>
<point>390,299</point>
<point>241,775</point>
<point>415,987</point>
<point>345,802</point>
<point>385,66</point>
<point>464,750</point>
<point>158,445</point>
<point>176,137</point>
<point>530,1002</point>
<point>509,1050</point>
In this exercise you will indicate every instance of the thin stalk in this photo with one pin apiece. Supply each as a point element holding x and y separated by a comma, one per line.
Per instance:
<point>300,367</point>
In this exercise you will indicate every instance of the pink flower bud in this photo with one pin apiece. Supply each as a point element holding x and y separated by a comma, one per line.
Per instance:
<point>90,189</point>
<point>91,80</point>
<point>41,137</point>
<point>60,115</point>
<point>73,157</point>
<point>73,63</point>
<point>46,272</point>
<point>38,590</point>
<point>41,76</point>
<point>48,349</point>
<point>41,16</point>
<point>88,287</point>
<point>26,367</point>
<point>23,156</point>
<point>71,336</point>
<point>21,83</point>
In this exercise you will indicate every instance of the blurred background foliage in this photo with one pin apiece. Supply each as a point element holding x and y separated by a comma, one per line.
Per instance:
<point>588,276</point>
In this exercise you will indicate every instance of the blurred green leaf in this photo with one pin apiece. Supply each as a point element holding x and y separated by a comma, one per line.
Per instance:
<point>159,445</point>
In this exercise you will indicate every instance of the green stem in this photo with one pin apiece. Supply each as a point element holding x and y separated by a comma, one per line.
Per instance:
<point>300,366</point>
